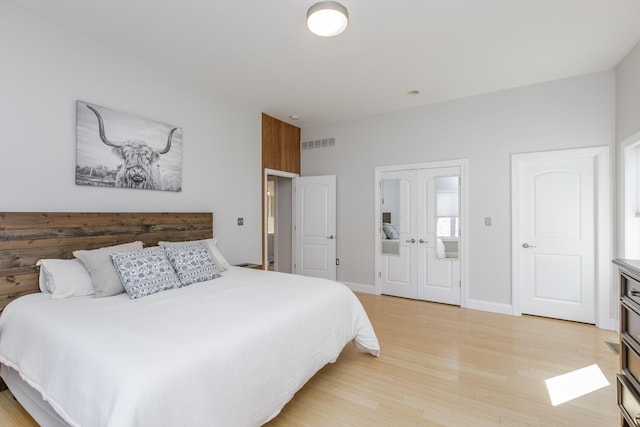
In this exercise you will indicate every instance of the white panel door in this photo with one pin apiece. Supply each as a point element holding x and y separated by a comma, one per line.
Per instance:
<point>438,276</point>
<point>315,226</point>
<point>399,271</point>
<point>556,205</point>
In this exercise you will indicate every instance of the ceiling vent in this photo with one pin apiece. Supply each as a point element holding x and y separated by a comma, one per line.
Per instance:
<point>318,143</point>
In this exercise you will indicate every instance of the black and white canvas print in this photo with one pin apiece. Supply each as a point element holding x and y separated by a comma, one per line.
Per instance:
<point>116,149</point>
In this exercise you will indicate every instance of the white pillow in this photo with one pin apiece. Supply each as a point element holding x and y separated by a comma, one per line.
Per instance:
<point>222,263</point>
<point>217,255</point>
<point>104,276</point>
<point>64,278</point>
<point>391,231</point>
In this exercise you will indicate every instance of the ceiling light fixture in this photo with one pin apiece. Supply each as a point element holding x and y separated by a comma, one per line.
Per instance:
<point>327,18</point>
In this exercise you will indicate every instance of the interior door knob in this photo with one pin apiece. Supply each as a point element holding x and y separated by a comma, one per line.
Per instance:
<point>526,245</point>
<point>423,241</point>
<point>411,241</point>
<point>331,237</point>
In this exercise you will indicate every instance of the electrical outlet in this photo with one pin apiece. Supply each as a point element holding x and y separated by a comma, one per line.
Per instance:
<point>240,221</point>
<point>487,221</point>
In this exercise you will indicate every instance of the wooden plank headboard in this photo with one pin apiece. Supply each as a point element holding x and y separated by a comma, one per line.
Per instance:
<point>26,237</point>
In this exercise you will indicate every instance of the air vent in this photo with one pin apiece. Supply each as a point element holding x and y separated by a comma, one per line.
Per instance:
<point>318,143</point>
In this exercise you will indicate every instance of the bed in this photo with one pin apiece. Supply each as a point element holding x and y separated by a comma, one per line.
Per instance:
<point>228,351</point>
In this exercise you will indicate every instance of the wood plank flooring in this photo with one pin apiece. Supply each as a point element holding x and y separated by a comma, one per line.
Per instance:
<point>12,414</point>
<point>446,366</point>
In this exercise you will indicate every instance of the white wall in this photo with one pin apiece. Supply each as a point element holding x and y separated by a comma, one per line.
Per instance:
<point>45,69</point>
<point>486,130</point>
<point>628,95</point>
<point>628,135</point>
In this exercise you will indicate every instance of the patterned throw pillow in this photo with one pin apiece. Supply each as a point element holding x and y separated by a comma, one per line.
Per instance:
<point>192,263</point>
<point>145,272</point>
<point>391,231</point>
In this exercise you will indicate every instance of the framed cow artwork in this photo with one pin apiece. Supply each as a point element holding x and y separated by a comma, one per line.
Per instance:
<point>116,149</point>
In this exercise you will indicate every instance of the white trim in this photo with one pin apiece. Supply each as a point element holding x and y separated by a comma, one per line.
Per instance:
<point>490,306</point>
<point>609,324</point>
<point>625,198</point>
<point>273,172</point>
<point>623,217</point>
<point>464,219</point>
<point>276,241</point>
<point>362,288</point>
<point>604,232</point>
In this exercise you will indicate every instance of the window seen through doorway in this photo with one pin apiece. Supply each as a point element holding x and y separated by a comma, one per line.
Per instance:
<point>271,217</point>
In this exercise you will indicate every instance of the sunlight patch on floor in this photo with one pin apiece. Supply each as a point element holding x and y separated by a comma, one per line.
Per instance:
<point>572,385</point>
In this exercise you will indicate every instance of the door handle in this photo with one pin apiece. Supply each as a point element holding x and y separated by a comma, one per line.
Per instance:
<point>526,245</point>
<point>331,237</point>
<point>410,241</point>
<point>423,241</point>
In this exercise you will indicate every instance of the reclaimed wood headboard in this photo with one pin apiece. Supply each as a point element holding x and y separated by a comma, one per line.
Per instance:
<point>26,237</point>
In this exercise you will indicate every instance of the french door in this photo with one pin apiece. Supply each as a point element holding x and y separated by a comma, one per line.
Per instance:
<point>438,274</point>
<point>416,265</point>
<point>400,258</point>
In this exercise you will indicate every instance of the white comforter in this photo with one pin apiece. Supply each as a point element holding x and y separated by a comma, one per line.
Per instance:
<point>228,352</point>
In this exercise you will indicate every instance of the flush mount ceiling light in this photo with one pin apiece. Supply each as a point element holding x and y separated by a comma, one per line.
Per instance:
<point>327,18</point>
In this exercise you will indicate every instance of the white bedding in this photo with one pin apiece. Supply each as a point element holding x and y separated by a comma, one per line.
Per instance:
<point>228,352</point>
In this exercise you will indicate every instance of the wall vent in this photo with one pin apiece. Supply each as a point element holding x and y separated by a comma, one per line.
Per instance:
<point>318,143</point>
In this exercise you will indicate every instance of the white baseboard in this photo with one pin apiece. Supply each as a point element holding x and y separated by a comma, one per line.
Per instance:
<point>492,307</point>
<point>609,324</point>
<point>359,287</point>
<point>475,304</point>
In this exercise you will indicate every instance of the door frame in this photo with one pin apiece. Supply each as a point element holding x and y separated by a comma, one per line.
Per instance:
<point>266,173</point>
<point>464,219</point>
<point>628,221</point>
<point>603,234</point>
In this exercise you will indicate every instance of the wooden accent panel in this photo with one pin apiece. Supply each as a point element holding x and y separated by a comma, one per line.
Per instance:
<point>26,237</point>
<point>280,151</point>
<point>280,145</point>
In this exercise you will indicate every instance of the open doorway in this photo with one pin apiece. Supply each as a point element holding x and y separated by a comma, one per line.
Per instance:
<point>278,216</point>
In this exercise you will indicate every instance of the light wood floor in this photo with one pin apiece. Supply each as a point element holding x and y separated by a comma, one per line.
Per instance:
<point>446,366</point>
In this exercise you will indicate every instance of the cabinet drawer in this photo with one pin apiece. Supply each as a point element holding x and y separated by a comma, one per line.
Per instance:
<point>628,401</point>
<point>630,287</point>
<point>630,360</point>
<point>630,322</point>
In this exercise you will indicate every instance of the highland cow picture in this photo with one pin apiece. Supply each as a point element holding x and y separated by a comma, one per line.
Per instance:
<point>116,149</point>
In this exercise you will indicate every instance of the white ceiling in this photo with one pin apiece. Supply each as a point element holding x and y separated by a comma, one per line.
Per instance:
<point>259,53</point>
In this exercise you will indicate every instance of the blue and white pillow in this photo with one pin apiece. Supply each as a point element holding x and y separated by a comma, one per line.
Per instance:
<point>192,263</point>
<point>145,272</point>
